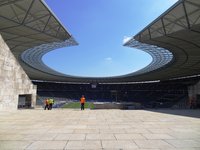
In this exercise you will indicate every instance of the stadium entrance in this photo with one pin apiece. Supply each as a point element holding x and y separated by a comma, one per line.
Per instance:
<point>24,101</point>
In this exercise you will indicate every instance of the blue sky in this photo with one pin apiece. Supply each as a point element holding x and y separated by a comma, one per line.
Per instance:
<point>100,26</point>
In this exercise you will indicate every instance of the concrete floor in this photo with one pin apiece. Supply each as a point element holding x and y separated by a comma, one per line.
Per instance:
<point>100,129</point>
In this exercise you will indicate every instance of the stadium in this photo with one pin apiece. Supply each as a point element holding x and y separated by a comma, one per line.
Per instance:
<point>172,77</point>
<point>29,30</point>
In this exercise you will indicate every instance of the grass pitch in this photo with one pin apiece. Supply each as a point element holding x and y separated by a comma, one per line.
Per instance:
<point>78,105</point>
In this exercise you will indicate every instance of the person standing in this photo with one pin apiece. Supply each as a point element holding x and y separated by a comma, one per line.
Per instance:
<point>82,101</point>
<point>46,104</point>
<point>51,102</point>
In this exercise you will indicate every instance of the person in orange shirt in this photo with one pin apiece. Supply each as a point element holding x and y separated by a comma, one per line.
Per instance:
<point>82,101</point>
<point>46,104</point>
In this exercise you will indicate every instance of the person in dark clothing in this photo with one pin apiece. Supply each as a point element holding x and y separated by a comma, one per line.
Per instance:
<point>46,104</point>
<point>82,101</point>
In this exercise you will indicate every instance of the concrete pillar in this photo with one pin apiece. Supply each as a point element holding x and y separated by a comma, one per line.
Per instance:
<point>13,80</point>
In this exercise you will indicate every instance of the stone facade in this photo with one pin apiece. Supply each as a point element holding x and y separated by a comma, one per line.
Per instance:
<point>13,80</point>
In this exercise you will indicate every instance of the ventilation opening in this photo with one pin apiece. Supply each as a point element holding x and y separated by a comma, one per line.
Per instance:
<point>24,101</point>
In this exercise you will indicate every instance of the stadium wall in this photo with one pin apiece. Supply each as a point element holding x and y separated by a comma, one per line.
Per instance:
<point>13,80</point>
<point>193,91</point>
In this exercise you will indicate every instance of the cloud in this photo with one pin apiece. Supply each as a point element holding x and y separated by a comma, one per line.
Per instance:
<point>108,59</point>
<point>126,39</point>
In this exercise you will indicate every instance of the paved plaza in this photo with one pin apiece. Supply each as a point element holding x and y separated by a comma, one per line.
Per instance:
<point>61,129</point>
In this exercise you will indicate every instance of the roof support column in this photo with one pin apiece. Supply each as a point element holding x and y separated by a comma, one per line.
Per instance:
<point>149,33</point>
<point>46,23</point>
<point>186,15</point>
<point>163,25</point>
<point>28,11</point>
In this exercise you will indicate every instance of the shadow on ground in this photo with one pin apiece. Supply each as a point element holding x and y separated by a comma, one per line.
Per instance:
<point>195,113</point>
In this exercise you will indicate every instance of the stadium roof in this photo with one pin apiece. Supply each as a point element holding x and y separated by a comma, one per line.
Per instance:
<point>177,30</point>
<point>173,40</point>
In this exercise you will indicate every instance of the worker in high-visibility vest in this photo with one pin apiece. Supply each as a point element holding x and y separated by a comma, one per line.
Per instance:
<point>82,101</point>
<point>51,102</point>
